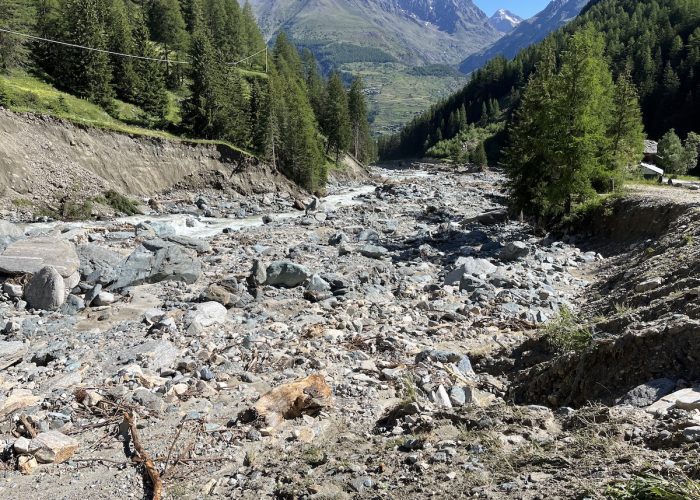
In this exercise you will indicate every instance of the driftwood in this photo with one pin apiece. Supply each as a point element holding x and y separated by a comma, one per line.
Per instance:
<point>143,457</point>
<point>307,396</point>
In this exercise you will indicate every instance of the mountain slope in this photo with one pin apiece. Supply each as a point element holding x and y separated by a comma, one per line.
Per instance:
<point>658,41</point>
<point>414,32</point>
<point>504,21</point>
<point>555,15</point>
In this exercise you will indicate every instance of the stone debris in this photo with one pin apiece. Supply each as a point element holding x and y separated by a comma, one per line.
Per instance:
<point>386,343</point>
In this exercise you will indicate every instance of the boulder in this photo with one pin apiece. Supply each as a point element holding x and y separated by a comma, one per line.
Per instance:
<point>373,251</point>
<point>53,447</point>
<point>31,255</point>
<point>649,285</point>
<point>169,262</point>
<point>470,266</point>
<point>514,250</point>
<point>258,275</point>
<point>11,352</point>
<point>98,264</point>
<point>207,314</point>
<point>46,290</point>
<point>318,284</point>
<point>197,244</point>
<point>488,218</point>
<point>286,274</point>
<point>18,399</point>
<point>648,393</point>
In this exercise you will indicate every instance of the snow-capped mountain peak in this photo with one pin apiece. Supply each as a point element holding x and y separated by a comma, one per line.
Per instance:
<point>505,21</point>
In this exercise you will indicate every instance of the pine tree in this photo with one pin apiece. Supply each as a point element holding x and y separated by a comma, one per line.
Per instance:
<point>150,93</point>
<point>121,40</point>
<point>692,150</point>
<point>362,144</point>
<point>13,49</point>
<point>336,122</point>
<point>314,83</point>
<point>478,156</point>
<point>47,54</point>
<point>672,156</point>
<point>201,109</point>
<point>259,112</point>
<point>167,26</point>
<point>626,130</point>
<point>87,73</point>
<point>252,38</point>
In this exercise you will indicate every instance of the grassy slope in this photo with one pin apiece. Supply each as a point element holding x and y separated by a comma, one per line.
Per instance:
<point>28,93</point>
<point>396,95</point>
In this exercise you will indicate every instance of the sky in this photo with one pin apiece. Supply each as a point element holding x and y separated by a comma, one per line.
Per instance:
<point>523,8</point>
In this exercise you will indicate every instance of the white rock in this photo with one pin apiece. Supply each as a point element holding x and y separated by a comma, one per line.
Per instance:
<point>207,314</point>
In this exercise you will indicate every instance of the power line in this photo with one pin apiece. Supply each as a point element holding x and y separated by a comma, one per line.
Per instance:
<point>76,46</point>
<point>121,54</point>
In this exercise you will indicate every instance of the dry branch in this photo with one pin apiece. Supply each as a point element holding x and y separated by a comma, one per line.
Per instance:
<point>143,457</point>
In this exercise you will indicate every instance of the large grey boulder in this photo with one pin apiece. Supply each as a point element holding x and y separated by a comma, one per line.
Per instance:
<point>46,290</point>
<point>470,266</point>
<point>648,393</point>
<point>169,262</point>
<point>286,274</point>
<point>31,255</point>
<point>373,251</point>
<point>514,250</point>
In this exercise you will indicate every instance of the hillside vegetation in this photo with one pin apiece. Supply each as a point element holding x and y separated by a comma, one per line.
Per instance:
<point>656,41</point>
<point>178,68</point>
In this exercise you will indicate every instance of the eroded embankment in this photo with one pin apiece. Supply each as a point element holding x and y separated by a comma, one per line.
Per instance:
<point>44,158</point>
<point>644,308</point>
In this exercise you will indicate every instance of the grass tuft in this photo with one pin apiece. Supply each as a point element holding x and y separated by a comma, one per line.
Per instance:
<point>652,487</point>
<point>567,332</point>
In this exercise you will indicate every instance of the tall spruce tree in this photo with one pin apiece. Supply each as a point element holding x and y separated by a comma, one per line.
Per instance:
<point>336,119</point>
<point>626,129</point>
<point>125,77</point>
<point>150,93</point>
<point>47,55</point>
<point>362,144</point>
<point>202,108</point>
<point>87,73</point>
<point>167,26</point>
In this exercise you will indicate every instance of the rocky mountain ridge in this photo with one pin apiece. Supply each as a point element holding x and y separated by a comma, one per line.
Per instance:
<point>505,21</point>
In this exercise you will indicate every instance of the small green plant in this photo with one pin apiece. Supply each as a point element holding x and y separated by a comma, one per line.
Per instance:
<point>409,391</point>
<point>567,332</point>
<point>689,239</point>
<point>22,203</point>
<point>77,211</point>
<point>119,202</point>
<point>652,487</point>
<point>622,308</point>
<point>650,251</point>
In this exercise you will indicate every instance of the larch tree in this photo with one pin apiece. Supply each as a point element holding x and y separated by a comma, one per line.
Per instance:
<point>336,120</point>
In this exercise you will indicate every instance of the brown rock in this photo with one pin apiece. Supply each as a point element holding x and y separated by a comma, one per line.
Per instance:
<point>17,400</point>
<point>54,447</point>
<point>26,464</point>
<point>306,396</point>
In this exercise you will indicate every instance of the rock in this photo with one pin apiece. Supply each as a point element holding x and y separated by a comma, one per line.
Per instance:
<point>692,434</point>
<point>217,293</point>
<point>286,274</point>
<point>18,399</point>
<point>488,218</point>
<point>360,484</point>
<point>457,396</point>
<point>11,353</point>
<point>318,284</point>
<point>306,396</point>
<point>470,266</point>
<point>338,238</point>
<point>13,290</point>
<point>72,305</point>
<point>368,235</point>
<point>31,255</point>
<point>92,294</point>
<point>648,393</point>
<point>207,314</point>
<point>373,251</point>
<point>267,219</point>
<point>22,446</point>
<point>154,354</point>
<point>98,264</point>
<point>258,275</point>
<point>170,262</point>
<point>648,285</point>
<point>54,447</point>
<point>514,250</point>
<point>104,299</point>
<point>686,399</point>
<point>46,290</point>
<point>26,464</point>
<point>197,244</point>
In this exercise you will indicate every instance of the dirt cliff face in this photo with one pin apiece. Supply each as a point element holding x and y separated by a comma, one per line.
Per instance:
<point>43,158</point>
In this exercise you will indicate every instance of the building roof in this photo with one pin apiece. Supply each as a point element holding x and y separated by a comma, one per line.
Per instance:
<point>651,147</point>
<point>648,169</point>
